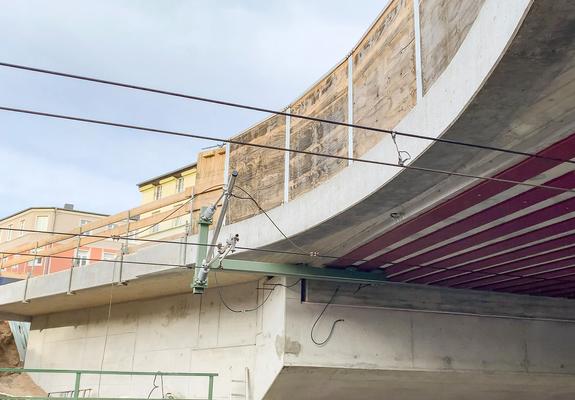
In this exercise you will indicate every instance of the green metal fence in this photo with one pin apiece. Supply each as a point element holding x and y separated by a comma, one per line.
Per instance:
<point>79,373</point>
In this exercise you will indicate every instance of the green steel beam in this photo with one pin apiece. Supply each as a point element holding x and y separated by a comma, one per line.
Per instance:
<point>77,385</point>
<point>79,372</point>
<point>301,271</point>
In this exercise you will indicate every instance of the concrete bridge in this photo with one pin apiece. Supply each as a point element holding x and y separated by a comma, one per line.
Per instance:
<point>471,280</point>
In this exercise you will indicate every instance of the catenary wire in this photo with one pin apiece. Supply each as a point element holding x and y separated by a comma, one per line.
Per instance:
<point>175,210</point>
<point>279,148</point>
<point>250,197</point>
<point>439,269</point>
<point>121,237</point>
<point>160,264</point>
<point>276,112</point>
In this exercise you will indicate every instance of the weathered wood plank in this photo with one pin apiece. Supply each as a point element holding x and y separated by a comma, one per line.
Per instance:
<point>209,181</point>
<point>99,223</point>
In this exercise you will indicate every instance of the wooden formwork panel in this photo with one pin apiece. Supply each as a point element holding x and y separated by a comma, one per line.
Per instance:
<point>384,82</point>
<point>444,24</point>
<point>260,171</point>
<point>209,181</point>
<point>328,100</point>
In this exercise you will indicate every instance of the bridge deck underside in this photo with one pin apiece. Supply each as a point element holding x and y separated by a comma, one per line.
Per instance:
<point>494,236</point>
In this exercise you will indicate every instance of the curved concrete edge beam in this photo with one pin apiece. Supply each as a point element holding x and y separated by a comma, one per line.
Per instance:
<point>485,44</point>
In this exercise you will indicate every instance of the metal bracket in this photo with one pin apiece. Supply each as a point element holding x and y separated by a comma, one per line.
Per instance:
<point>205,253</point>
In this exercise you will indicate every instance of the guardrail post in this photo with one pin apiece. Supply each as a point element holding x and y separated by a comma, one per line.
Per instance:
<point>77,386</point>
<point>211,387</point>
<point>75,263</point>
<point>123,251</point>
<point>25,295</point>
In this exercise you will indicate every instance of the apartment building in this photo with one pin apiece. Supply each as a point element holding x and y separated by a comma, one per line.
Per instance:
<point>163,186</point>
<point>37,223</point>
<point>205,176</point>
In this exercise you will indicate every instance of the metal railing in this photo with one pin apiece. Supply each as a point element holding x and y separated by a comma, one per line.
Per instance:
<point>79,373</point>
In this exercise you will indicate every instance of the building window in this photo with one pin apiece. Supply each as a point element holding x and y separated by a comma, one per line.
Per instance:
<point>156,227</point>
<point>112,226</point>
<point>108,256</point>
<point>178,220</point>
<point>180,185</point>
<point>9,233</point>
<point>42,223</point>
<point>35,262</point>
<point>22,227</point>
<point>85,222</point>
<point>82,257</point>
<point>158,192</point>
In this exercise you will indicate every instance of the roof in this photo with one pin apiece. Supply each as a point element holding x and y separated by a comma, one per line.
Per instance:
<point>167,174</point>
<point>52,208</point>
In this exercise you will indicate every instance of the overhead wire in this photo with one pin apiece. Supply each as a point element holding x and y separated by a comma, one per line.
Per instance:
<point>175,210</point>
<point>250,197</point>
<point>279,148</point>
<point>182,266</point>
<point>394,133</point>
<point>276,112</point>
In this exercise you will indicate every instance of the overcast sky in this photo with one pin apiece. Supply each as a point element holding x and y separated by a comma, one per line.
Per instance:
<point>258,52</point>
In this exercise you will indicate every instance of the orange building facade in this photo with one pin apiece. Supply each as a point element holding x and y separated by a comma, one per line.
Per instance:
<point>38,223</point>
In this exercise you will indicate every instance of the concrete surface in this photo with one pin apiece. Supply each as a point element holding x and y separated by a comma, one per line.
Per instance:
<point>341,383</point>
<point>264,354</point>
<point>177,333</point>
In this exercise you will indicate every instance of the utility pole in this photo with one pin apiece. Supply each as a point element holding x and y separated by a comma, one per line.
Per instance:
<point>205,254</point>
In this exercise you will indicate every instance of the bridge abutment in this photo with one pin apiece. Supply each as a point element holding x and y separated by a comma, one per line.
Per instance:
<point>431,346</point>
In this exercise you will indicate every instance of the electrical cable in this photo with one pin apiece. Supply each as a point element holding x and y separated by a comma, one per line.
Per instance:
<point>107,330</point>
<point>439,269</point>
<point>324,342</point>
<point>282,285</point>
<point>184,267</point>
<point>157,386</point>
<point>360,287</point>
<point>279,148</point>
<point>276,112</point>
<point>250,197</point>
<point>234,310</point>
<point>136,232</point>
<point>173,211</point>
